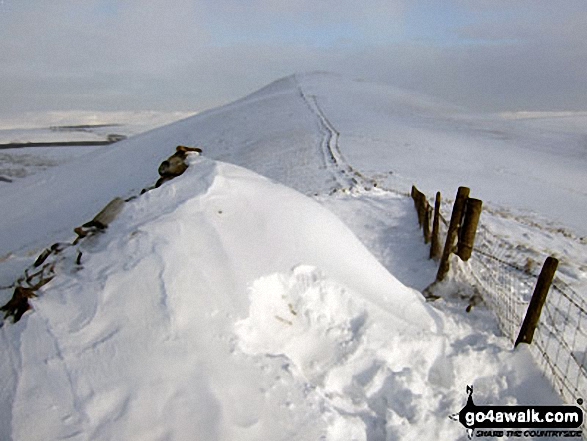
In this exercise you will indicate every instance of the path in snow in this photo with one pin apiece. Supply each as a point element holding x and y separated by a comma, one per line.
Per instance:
<point>376,219</point>
<point>333,159</point>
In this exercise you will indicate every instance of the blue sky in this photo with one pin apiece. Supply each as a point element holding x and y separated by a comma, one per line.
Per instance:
<point>195,54</point>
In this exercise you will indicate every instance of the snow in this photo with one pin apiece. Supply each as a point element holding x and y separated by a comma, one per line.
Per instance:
<point>186,320</point>
<point>228,305</point>
<point>66,127</point>
<point>100,123</point>
<point>525,165</point>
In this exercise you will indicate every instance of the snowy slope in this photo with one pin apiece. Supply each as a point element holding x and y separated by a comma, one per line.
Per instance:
<point>536,166</point>
<point>284,132</point>
<point>226,306</point>
<point>259,132</point>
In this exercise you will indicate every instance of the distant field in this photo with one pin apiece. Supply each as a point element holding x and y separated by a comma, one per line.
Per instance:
<point>33,142</point>
<point>19,145</point>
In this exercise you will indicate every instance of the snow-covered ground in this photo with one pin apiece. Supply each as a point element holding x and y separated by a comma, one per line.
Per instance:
<point>36,126</point>
<point>66,127</point>
<point>225,305</point>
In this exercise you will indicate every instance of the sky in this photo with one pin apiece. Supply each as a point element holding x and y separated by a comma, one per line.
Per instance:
<point>190,55</point>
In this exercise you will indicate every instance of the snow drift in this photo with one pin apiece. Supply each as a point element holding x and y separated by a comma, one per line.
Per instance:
<point>139,344</point>
<point>226,306</point>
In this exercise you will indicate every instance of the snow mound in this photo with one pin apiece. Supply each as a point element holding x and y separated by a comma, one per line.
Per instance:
<point>147,338</point>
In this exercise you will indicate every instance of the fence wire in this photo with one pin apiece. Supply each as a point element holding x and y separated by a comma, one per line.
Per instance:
<point>505,274</point>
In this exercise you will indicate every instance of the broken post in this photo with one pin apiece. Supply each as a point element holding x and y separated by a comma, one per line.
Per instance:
<point>453,231</point>
<point>469,228</point>
<point>435,239</point>
<point>532,317</point>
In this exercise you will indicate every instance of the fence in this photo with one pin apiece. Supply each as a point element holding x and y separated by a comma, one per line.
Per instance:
<point>505,274</point>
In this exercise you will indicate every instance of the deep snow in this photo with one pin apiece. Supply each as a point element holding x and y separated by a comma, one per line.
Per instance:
<point>226,306</point>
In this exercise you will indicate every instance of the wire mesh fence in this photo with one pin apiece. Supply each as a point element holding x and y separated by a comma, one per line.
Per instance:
<point>505,274</point>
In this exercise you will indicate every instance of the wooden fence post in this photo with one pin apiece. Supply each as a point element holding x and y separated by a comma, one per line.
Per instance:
<point>453,231</point>
<point>537,302</point>
<point>423,209</point>
<point>435,245</point>
<point>469,228</point>
<point>418,197</point>
<point>426,225</point>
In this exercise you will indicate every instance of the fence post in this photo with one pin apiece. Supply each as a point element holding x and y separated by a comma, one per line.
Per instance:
<point>469,228</point>
<point>453,230</point>
<point>427,211</point>
<point>537,302</point>
<point>418,197</point>
<point>435,245</point>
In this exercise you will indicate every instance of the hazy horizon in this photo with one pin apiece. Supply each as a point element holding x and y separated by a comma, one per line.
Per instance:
<point>192,55</point>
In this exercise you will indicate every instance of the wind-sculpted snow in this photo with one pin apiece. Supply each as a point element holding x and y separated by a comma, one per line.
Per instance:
<point>273,134</point>
<point>225,306</point>
<point>139,342</point>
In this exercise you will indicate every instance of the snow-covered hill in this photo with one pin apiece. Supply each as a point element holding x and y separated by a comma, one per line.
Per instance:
<point>225,305</point>
<point>390,136</point>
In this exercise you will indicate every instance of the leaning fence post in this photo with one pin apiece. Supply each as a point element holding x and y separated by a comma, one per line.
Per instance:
<point>537,302</point>
<point>469,228</point>
<point>435,245</point>
<point>453,230</point>
<point>418,197</point>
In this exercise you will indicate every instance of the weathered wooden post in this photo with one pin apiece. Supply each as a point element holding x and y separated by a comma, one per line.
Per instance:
<point>426,226</point>
<point>469,228</point>
<point>453,231</point>
<point>537,302</point>
<point>417,196</point>
<point>423,209</point>
<point>435,239</point>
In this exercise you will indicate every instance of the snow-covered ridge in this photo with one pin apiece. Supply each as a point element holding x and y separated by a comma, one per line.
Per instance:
<point>225,306</point>
<point>274,132</point>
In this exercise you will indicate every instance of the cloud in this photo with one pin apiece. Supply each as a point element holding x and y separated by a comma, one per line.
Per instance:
<point>194,54</point>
